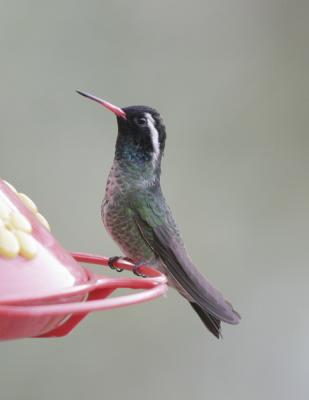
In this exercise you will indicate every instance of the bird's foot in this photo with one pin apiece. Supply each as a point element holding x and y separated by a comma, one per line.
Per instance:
<point>113,260</point>
<point>136,268</point>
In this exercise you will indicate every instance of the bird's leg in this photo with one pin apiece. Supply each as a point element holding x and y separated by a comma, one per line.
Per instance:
<point>113,260</point>
<point>136,268</point>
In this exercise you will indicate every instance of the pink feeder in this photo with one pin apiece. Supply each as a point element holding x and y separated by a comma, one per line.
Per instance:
<point>44,291</point>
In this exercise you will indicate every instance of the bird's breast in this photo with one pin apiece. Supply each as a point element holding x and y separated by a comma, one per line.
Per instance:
<point>118,218</point>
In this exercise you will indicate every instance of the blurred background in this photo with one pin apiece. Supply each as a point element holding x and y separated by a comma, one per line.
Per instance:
<point>231,81</point>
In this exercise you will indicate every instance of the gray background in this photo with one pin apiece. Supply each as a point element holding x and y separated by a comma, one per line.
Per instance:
<point>231,80</point>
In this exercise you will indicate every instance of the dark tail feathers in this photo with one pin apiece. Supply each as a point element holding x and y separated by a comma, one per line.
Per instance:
<point>211,323</point>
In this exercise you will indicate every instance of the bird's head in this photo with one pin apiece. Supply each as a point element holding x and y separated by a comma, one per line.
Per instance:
<point>141,132</point>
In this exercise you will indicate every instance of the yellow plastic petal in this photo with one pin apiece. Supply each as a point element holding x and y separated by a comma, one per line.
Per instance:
<point>9,246</point>
<point>28,246</point>
<point>2,225</point>
<point>20,222</point>
<point>4,210</point>
<point>28,202</point>
<point>43,220</point>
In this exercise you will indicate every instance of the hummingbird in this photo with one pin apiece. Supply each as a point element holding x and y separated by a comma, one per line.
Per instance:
<point>137,216</point>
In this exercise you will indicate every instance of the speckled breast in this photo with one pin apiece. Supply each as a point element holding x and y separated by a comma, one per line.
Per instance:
<point>119,221</point>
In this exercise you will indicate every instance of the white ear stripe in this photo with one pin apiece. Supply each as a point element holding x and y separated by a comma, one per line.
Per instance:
<point>154,136</point>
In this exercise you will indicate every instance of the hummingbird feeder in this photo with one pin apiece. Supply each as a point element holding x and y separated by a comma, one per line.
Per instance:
<point>44,290</point>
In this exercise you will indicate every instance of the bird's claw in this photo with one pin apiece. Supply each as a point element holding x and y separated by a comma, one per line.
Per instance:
<point>136,272</point>
<point>111,262</point>
<point>135,269</point>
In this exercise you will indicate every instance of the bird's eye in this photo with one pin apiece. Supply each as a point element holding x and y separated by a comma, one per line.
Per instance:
<point>141,121</point>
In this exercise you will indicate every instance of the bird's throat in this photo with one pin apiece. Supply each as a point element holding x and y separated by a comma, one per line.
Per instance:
<point>126,175</point>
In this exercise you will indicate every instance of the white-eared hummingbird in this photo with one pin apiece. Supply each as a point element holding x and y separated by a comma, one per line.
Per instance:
<point>135,213</point>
